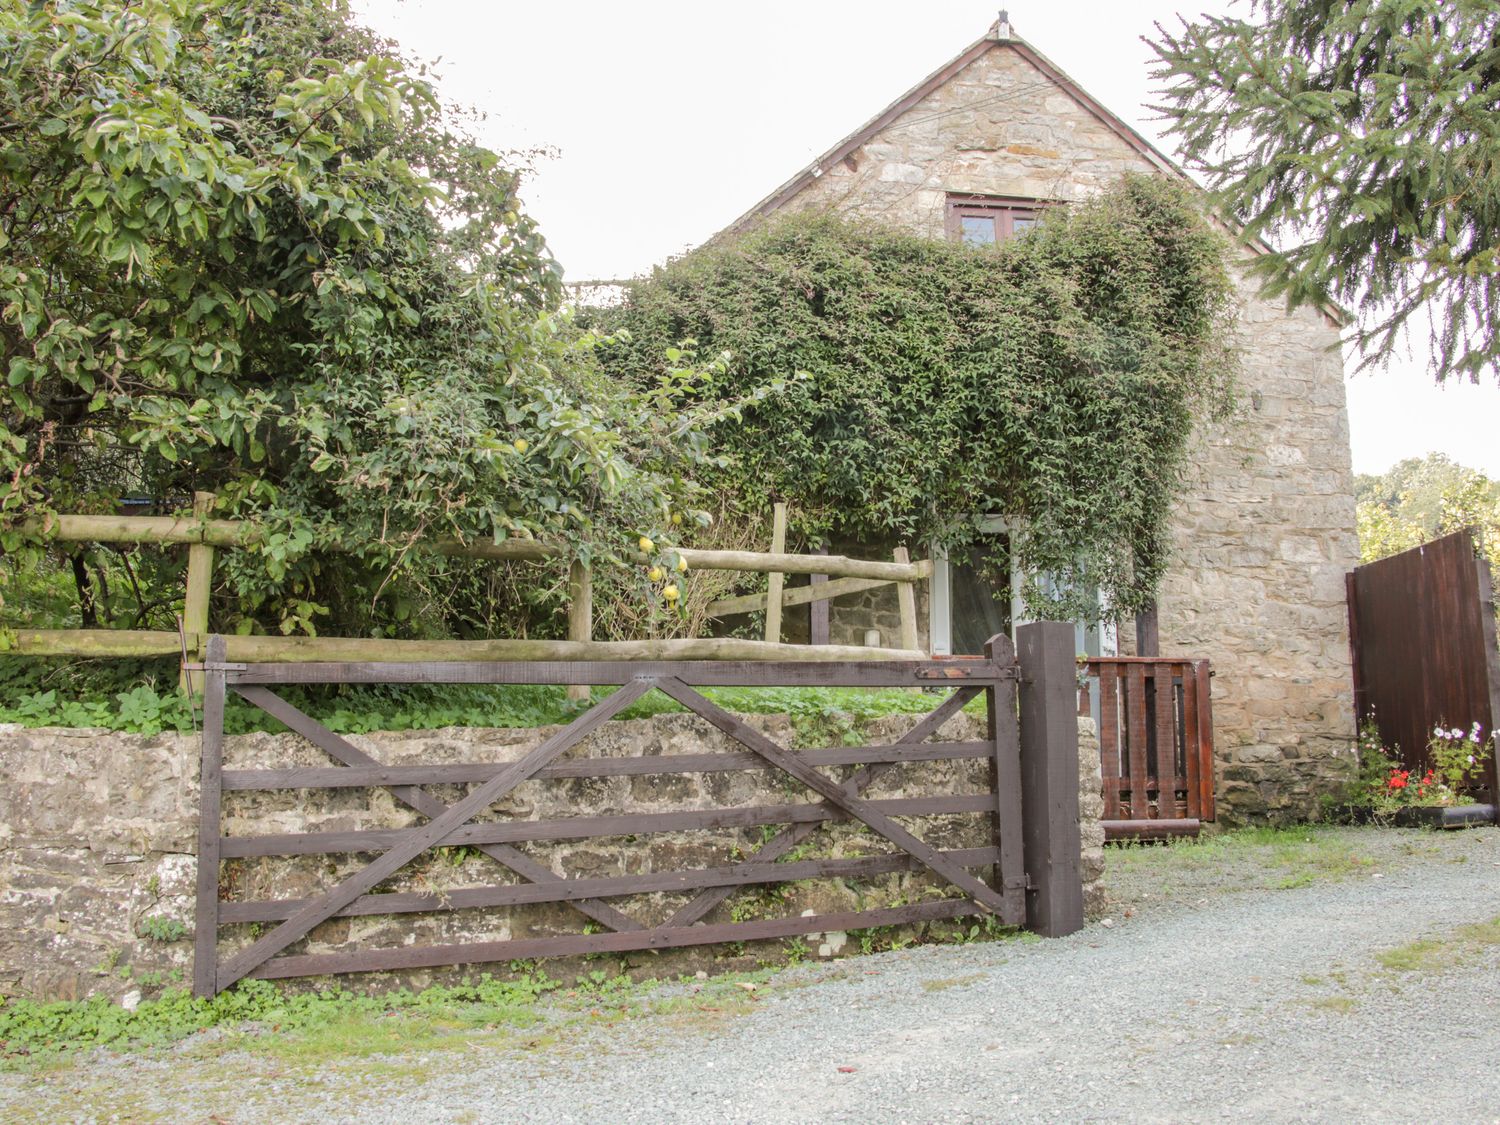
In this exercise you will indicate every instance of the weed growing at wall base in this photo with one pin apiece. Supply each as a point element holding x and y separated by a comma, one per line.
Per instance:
<point>142,698</point>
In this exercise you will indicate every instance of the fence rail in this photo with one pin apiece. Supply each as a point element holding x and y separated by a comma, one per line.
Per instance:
<point>1033,857</point>
<point>203,535</point>
<point>1155,745</point>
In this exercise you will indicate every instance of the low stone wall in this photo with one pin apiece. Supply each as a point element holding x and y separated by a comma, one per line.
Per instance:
<point>98,832</point>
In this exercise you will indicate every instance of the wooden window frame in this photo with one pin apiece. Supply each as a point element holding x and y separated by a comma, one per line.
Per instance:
<point>1003,209</point>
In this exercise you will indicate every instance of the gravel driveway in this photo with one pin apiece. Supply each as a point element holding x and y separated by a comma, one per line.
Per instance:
<point>1239,986</point>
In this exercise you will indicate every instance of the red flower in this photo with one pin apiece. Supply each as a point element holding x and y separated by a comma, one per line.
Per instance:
<point>1398,779</point>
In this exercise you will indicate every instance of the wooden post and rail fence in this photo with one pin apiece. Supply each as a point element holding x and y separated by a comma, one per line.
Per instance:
<point>1154,713</point>
<point>204,535</point>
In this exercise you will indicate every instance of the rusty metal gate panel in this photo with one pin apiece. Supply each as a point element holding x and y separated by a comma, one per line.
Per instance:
<point>1422,643</point>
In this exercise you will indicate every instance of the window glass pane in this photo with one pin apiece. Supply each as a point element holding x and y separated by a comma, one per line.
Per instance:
<point>978,230</point>
<point>1020,223</point>
<point>979,593</point>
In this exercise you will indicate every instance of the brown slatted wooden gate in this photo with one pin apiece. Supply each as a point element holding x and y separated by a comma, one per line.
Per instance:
<point>1422,639</point>
<point>448,823</point>
<point>1156,745</point>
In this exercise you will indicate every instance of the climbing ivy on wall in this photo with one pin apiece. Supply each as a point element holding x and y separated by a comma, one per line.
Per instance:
<point>1057,378</point>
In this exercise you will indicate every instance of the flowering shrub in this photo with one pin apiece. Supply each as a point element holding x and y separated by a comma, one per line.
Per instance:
<point>1458,758</point>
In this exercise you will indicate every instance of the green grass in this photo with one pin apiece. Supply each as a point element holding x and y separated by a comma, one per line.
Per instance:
<point>1436,955</point>
<point>1255,858</point>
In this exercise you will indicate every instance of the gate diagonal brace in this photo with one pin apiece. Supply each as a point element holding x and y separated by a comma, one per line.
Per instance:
<point>857,807</point>
<point>784,841</point>
<point>417,798</point>
<point>419,839</point>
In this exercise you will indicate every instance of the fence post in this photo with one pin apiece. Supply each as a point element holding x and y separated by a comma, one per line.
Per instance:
<point>773,598</point>
<point>1049,777</point>
<point>580,615</point>
<point>906,601</point>
<point>200,572</point>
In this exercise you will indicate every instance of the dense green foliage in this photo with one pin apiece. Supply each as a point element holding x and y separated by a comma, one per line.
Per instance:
<point>244,248</point>
<point>142,697</point>
<point>1360,136</point>
<point>1056,379</point>
<point>1422,498</point>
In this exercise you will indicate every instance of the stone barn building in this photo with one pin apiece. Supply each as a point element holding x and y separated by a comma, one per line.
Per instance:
<point>1264,531</point>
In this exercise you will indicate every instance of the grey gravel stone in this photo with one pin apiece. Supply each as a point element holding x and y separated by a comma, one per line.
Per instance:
<point>1204,1001</point>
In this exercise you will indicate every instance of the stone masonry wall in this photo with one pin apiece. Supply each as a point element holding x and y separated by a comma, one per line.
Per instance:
<point>1264,529</point>
<point>98,833</point>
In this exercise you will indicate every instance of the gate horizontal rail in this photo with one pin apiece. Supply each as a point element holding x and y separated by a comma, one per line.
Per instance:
<point>529,880</point>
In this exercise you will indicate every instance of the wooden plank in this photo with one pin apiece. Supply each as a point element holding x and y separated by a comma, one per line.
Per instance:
<point>1049,777</point>
<point>572,945</point>
<point>787,839</point>
<point>819,592</point>
<point>418,840</point>
<point>872,671</point>
<point>583,827</point>
<point>371,650</point>
<point>1203,679</point>
<point>1148,633</point>
<point>351,777</point>
<point>1135,731</point>
<point>817,611</point>
<point>1192,762</point>
<point>837,566</point>
<point>777,579</point>
<point>200,574</point>
<point>832,791</point>
<point>1166,742</point>
<point>580,616</point>
<point>906,603</point>
<point>730,875</point>
<point>1005,782</point>
<point>206,907</point>
<point>1109,731</point>
<point>342,750</point>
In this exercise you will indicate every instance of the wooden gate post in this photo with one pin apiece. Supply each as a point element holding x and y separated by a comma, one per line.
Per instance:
<point>200,572</point>
<point>1049,777</point>
<point>580,616</point>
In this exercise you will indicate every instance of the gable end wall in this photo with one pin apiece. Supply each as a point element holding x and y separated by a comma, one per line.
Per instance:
<point>1264,530</point>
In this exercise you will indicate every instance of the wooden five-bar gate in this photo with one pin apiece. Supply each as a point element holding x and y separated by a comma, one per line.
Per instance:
<point>1156,745</point>
<point>1030,747</point>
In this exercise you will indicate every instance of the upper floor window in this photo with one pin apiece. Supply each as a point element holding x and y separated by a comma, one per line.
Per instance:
<point>984,220</point>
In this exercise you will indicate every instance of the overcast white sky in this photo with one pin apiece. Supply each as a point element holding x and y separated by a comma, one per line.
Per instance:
<point>670,118</point>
